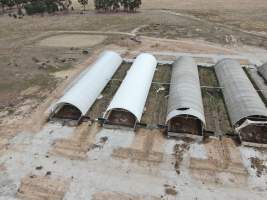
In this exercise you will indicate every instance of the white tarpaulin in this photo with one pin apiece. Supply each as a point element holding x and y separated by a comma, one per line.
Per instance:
<point>89,86</point>
<point>133,92</point>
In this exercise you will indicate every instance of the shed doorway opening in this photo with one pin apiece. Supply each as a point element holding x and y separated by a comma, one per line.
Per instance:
<point>185,124</point>
<point>67,112</point>
<point>254,133</point>
<point>253,129</point>
<point>121,117</point>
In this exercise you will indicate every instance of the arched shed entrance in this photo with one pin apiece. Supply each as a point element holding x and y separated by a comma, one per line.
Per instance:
<point>185,108</point>
<point>84,91</point>
<point>127,106</point>
<point>247,112</point>
<point>121,117</point>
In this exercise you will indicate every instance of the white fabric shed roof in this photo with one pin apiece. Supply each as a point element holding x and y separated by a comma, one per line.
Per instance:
<point>241,98</point>
<point>133,92</point>
<point>185,91</point>
<point>263,71</point>
<point>88,87</point>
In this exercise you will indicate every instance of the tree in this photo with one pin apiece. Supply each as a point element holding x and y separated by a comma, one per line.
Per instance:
<point>41,6</point>
<point>3,4</point>
<point>10,3</point>
<point>116,5</point>
<point>83,3</point>
<point>36,6</point>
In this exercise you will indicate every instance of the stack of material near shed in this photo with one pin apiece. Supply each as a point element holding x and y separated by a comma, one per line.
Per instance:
<point>263,71</point>
<point>185,107</point>
<point>84,91</point>
<point>126,108</point>
<point>247,111</point>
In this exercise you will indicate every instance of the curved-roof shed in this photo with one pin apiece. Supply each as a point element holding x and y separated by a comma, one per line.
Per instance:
<point>263,71</point>
<point>88,87</point>
<point>241,98</point>
<point>185,93</point>
<point>132,94</point>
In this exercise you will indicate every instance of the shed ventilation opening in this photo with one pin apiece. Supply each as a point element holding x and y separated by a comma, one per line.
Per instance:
<point>183,109</point>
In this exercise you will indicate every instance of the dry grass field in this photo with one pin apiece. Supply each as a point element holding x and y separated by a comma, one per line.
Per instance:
<point>35,57</point>
<point>40,56</point>
<point>197,4</point>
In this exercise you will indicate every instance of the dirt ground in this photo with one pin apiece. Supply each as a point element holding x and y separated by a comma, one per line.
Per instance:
<point>143,149</point>
<point>40,56</point>
<point>223,163</point>
<point>25,64</point>
<point>79,144</point>
<point>198,5</point>
<point>72,40</point>
<point>33,187</point>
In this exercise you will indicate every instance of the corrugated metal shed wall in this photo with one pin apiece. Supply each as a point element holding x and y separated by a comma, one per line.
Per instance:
<point>263,71</point>
<point>133,92</point>
<point>241,98</point>
<point>185,91</point>
<point>85,90</point>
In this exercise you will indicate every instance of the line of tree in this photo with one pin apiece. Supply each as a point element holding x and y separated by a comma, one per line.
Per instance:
<point>36,6</point>
<point>117,5</point>
<point>41,6</point>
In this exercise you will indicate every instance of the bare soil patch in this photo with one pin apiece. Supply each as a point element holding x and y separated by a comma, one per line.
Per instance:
<point>141,149</point>
<point>72,40</point>
<point>79,144</point>
<point>42,188</point>
<point>223,166</point>
<point>120,196</point>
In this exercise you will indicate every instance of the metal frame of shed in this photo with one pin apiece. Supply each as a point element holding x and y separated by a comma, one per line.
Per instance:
<point>84,91</point>
<point>126,107</point>
<point>246,109</point>
<point>185,115</point>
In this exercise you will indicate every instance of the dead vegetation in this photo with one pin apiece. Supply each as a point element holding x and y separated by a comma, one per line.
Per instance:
<point>157,101</point>
<point>179,150</point>
<point>252,22</point>
<point>171,191</point>
<point>208,31</point>
<point>258,165</point>
<point>214,108</point>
